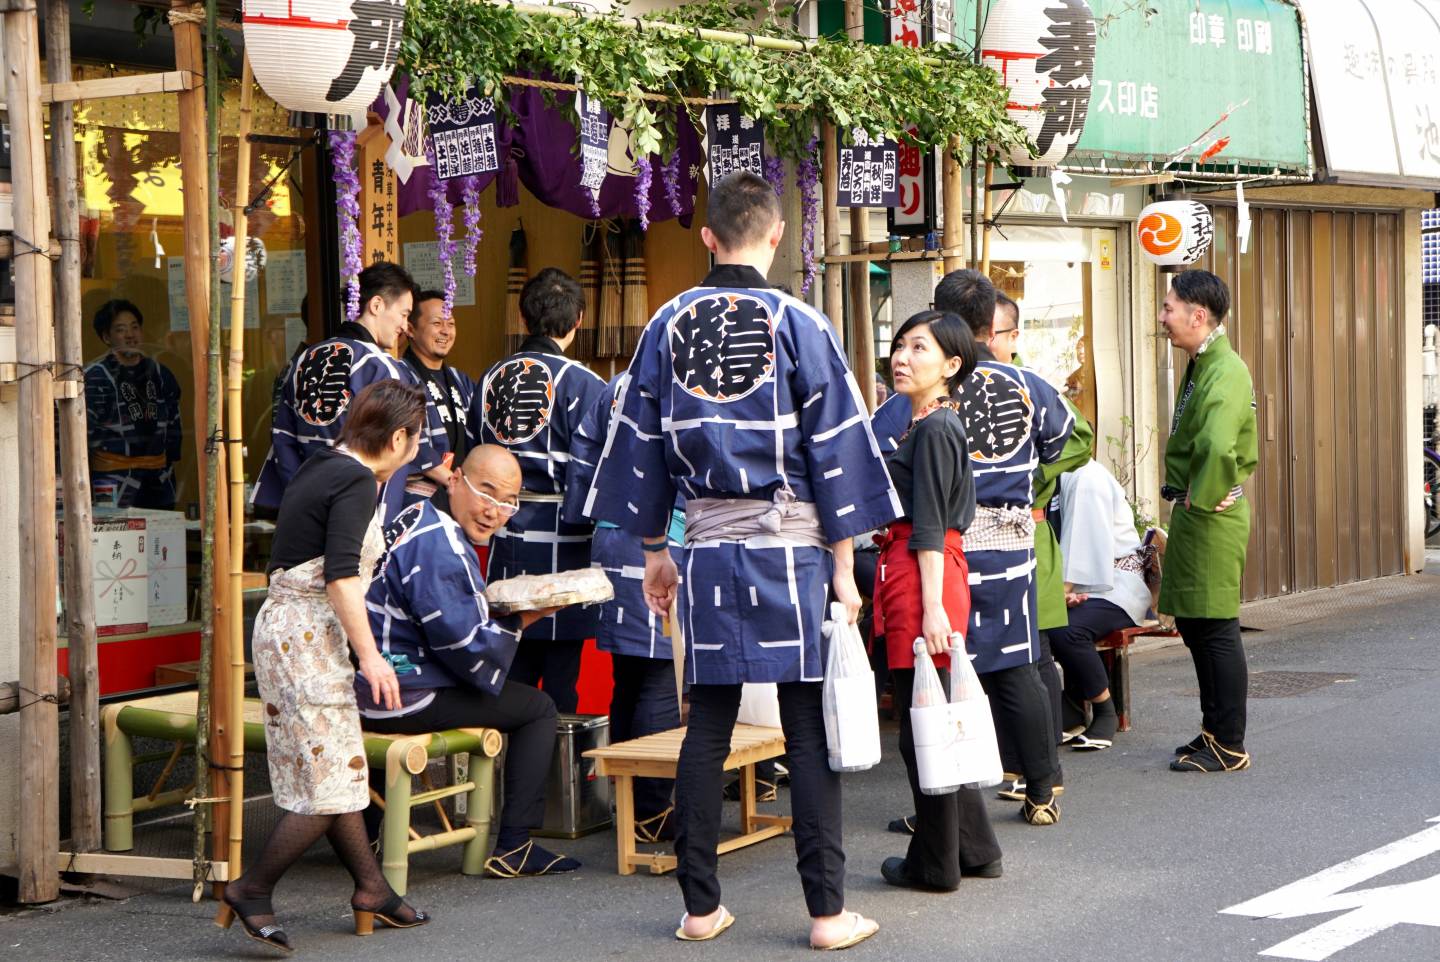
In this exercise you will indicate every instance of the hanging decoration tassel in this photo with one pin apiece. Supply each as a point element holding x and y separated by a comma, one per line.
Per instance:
<point>585,340</point>
<point>514,284</point>
<point>636,295</point>
<point>347,199</point>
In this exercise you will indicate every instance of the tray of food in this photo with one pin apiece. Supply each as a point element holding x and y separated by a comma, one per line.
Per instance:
<point>583,586</point>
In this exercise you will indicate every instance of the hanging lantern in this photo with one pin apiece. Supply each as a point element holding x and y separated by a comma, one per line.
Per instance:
<point>1175,233</point>
<point>323,58</point>
<point>1044,52</point>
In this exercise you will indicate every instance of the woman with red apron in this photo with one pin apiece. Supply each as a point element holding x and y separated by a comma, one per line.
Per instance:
<point>922,587</point>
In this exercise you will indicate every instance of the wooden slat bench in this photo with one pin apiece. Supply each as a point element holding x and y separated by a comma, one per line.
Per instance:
<point>1114,650</point>
<point>656,756</point>
<point>172,718</point>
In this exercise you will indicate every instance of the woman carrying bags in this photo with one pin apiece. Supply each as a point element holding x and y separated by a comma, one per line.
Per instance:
<point>922,590</point>
<point>327,544</point>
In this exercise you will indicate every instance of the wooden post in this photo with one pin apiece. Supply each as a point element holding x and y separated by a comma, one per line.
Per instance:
<point>989,213</point>
<point>954,200</point>
<point>38,833</point>
<point>861,328</point>
<point>189,57</point>
<point>834,302</point>
<point>74,450</point>
<point>235,448</point>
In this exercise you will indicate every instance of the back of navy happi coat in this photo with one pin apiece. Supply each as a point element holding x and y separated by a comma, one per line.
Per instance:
<point>738,390</point>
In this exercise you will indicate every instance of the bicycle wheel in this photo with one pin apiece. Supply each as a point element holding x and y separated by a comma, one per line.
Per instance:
<point>1432,493</point>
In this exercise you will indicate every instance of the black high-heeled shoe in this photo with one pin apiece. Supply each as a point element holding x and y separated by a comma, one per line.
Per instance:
<point>387,913</point>
<point>272,935</point>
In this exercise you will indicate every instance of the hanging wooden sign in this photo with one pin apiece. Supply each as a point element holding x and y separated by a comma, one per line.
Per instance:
<point>463,132</point>
<point>379,203</point>
<point>733,142</point>
<point>869,172</point>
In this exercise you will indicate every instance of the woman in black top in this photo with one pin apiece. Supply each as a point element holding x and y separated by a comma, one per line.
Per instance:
<point>327,544</point>
<point>923,587</point>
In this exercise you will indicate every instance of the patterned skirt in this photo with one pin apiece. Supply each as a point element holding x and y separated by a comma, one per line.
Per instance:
<point>312,726</point>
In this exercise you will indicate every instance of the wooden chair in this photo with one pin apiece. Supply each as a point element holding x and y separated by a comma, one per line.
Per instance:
<point>656,756</point>
<point>1114,650</point>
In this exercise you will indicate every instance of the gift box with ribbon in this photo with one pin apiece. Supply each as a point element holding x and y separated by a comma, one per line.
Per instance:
<point>121,576</point>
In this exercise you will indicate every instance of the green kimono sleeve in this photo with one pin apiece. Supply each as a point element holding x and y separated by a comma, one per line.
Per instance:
<point>1050,609</point>
<point>1224,451</point>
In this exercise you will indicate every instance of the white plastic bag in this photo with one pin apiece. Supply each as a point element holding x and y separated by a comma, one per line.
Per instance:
<point>759,705</point>
<point>979,751</point>
<point>955,741</point>
<point>852,719</point>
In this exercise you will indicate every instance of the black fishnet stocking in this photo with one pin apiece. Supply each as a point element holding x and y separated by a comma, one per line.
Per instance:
<point>291,838</point>
<point>348,837</point>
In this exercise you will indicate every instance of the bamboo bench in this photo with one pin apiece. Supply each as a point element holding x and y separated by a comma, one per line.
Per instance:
<point>656,756</point>
<point>1114,651</point>
<point>172,718</point>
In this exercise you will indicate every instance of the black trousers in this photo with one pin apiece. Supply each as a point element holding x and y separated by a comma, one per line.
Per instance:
<point>1220,668</point>
<point>526,717</point>
<point>643,703</point>
<point>1050,677</point>
<point>951,830</point>
<point>1020,703</point>
<point>553,667</point>
<point>814,796</point>
<point>1091,620</point>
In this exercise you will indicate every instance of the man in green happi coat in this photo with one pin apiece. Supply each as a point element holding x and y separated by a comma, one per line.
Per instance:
<point>1211,451</point>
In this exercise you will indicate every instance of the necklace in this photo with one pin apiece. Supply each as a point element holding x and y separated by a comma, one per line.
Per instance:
<point>929,409</point>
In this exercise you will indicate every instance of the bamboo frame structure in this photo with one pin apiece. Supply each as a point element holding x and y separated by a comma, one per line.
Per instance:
<point>235,448</point>
<point>834,299</point>
<point>953,198</point>
<point>38,831</point>
<point>989,216</point>
<point>74,450</point>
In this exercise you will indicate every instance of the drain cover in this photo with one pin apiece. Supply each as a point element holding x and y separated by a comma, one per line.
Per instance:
<point>1286,684</point>
<point>1283,684</point>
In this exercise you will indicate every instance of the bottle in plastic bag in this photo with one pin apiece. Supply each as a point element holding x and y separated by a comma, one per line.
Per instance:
<point>970,707</point>
<point>933,727</point>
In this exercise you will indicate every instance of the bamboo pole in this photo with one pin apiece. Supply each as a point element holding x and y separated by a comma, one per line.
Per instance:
<point>834,300</point>
<point>189,57</point>
<point>989,214</point>
<point>954,200</point>
<point>74,451</point>
<point>862,330</point>
<point>38,832</point>
<point>234,431</point>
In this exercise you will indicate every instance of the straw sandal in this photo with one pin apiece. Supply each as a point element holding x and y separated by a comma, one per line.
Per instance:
<point>721,924</point>
<point>858,933</point>
<point>1042,813</point>
<point>656,828</point>
<point>1214,757</point>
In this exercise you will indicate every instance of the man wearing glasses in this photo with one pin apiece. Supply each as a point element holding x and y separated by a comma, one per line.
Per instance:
<point>452,658</point>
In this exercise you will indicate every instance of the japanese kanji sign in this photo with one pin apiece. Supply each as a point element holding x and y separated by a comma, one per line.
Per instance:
<point>914,209</point>
<point>463,132</point>
<point>869,173</point>
<point>379,207</point>
<point>594,122</point>
<point>733,142</point>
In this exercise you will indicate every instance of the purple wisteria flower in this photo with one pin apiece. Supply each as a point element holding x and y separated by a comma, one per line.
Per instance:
<point>470,188</point>
<point>347,197</point>
<point>775,174</point>
<point>643,176</point>
<point>807,177</point>
<point>670,176</point>
<point>444,228</point>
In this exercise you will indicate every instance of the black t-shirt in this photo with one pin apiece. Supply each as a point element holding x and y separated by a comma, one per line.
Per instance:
<point>326,508</point>
<point>439,394</point>
<point>931,473</point>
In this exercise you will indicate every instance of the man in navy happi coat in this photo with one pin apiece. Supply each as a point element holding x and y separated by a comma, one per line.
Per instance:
<point>449,393</point>
<point>740,398</point>
<point>532,403</point>
<point>431,622</point>
<point>323,381</point>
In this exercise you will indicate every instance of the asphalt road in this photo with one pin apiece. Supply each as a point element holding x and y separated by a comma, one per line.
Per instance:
<point>1140,867</point>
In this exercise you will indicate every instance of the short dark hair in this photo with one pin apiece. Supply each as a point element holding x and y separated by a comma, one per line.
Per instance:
<point>969,294</point>
<point>551,303</point>
<point>105,317</point>
<point>1203,289</point>
<point>378,411</point>
<point>741,210</point>
<point>951,334</point>
<point>1006,301</point>
<point>429,294</point>
<point>386,280</point>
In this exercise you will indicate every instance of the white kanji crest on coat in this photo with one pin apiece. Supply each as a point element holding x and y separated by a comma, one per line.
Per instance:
<point>322,383</point>
<point>518,397</point>
<point>722,347</point>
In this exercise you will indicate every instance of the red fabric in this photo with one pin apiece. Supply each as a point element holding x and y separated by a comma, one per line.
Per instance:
<point>899,610</point>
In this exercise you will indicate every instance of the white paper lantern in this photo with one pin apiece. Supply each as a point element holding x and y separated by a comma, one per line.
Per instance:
<point>1044,52</point>
<point>1174,233</point>
<point>323,57</point>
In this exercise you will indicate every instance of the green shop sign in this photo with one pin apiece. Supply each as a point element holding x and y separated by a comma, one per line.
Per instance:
<point>1174,79</point>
